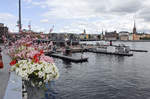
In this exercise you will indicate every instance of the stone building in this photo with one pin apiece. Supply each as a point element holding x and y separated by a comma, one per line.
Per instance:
<point>3,31</point>
<point>135,35</point>
<point>124,35</point>
<point>111,35</point>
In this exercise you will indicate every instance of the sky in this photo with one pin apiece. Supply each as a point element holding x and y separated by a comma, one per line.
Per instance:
<point>73,16</point>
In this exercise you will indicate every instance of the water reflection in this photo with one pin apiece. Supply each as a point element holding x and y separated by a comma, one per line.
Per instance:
<point>120,59</point>
<point>67,64</point>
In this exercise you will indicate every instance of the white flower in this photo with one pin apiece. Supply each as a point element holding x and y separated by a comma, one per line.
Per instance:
<point>44,70</point>
<point>40,83</point>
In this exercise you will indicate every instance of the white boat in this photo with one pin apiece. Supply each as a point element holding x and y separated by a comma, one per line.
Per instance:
<point>113,49</point>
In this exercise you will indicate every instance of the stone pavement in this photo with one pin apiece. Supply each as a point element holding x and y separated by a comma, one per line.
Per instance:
<point>4,74</point>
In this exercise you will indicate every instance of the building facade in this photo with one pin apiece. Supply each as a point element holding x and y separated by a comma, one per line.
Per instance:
<point>130,36</point>
<point>3,31</point>
<point>111,35</point>
<point>123,35</point>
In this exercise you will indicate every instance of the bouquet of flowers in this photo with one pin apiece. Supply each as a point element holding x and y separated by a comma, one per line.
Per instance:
<point>31,64</point>
<point>37,73</point>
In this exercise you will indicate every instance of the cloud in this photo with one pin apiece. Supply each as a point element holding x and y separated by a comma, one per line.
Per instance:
<point>28,1</point>
<point>144,13</point>
<point>93,15</point>
<point>40,3</point>
<point>6,16</point>
<point>38,28</point>
<point>77,9</point>
<point>9,20</point>
<point>69,9</point>
<point>125,6</point>
<point>44,21</point>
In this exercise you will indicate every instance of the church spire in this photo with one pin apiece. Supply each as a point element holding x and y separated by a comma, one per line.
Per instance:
<point>134,28</point>
<point>134,24</point>
<point>102,35</point>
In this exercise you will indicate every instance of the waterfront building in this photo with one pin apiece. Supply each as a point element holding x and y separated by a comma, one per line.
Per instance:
<point>144,36</point>
<point>87,36</point>
<point>111,35</point>
<point>82,36</point>
<point>124,35</point>
<point>136,37</point>
<point>147,36</point>
<point>130,36</point>
<point>3,31</point>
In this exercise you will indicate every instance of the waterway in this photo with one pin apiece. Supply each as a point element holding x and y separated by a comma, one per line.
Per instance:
<point>105,76</point>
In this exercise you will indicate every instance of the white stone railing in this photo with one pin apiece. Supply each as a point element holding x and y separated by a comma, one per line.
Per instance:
<point>14,87</point>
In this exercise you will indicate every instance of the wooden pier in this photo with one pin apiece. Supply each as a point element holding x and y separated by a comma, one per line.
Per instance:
<point>69,58</point>
<point>134,50</point>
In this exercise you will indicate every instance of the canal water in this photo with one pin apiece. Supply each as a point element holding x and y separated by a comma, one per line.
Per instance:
<point>105,76</point>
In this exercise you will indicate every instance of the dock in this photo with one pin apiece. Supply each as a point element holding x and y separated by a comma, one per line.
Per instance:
<point>112,53</point>
<point>69,58</point>
<point>78,50</point>
<point>134,50</point>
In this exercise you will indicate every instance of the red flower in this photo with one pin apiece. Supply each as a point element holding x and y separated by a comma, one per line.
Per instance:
<point>28,45</point>
<point>35,48</point>
<point>13,62</point>
<point>41,52</point>
<point>36,60</point>
<point>35,56</point>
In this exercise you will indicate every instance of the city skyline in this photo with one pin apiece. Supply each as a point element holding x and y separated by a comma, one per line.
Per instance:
<point>76,15</point>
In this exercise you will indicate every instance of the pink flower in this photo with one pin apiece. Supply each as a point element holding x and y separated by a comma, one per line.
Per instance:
<point>32,53</point>
<point>46,59</point>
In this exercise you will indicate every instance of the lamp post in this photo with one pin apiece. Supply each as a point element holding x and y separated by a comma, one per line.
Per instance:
<point>19,22</point>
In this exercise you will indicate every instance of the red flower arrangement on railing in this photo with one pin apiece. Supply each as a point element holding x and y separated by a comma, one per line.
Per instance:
<point>29,62</point>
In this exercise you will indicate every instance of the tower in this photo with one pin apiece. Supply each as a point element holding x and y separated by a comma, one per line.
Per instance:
<point>134,31</point>
<point>134,28</point>
<point>102,35</point>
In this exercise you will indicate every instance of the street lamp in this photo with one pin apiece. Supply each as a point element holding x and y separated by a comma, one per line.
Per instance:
<point>19,22</point>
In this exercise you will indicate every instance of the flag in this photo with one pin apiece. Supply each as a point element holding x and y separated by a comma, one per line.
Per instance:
<point>29,25</point>
<point>51,29</point>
